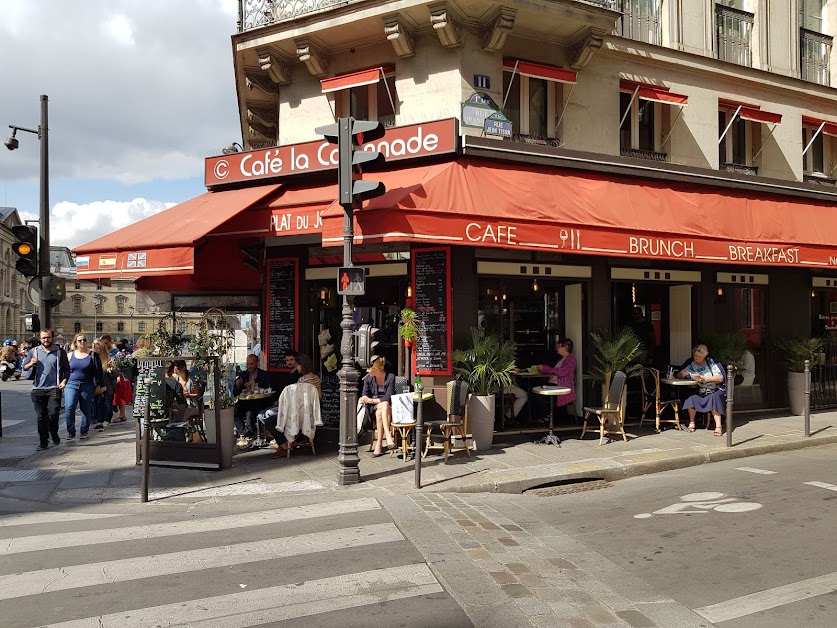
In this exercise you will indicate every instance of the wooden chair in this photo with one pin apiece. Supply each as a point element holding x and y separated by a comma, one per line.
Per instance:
<point>611,413</point>
<point>650,378</point>
<point>456,423</point>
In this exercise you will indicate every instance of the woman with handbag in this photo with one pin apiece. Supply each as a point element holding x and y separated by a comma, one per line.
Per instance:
<point>710,378</point>
<point>85,378</point>
<point>378,389</point>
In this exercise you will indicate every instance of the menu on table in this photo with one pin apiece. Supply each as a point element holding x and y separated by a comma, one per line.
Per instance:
<point>330,401</point>
<point>155,371</point>
<point>431,278</point>
<point>282,317</point>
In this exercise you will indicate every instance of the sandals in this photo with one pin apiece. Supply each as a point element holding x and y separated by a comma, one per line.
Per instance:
<point>691,427</point>
<point>718,432</point>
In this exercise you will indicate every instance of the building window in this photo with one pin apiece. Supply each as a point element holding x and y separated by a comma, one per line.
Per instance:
<point>99,327</point>
<point>734,32</point>
<point>647,115</point>
<point>370,102</point>
<point>77,327</point>
<point>98,286</point>
<point>814,44</point>
<point>142,327</point>
<point>641,21</point>
<point>120,285</point>
<point>78,285</point>
<point>735,151</point>
<point>817,161</point>
<point>532,104</point>
<point>120,327</point>
<point>120,304</point>
<point>77,305</point>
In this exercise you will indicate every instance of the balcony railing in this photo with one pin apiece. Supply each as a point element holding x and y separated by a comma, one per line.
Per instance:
<point>637,153</point>
<point>814,53</point>
<point>819,179</point>
<point>641,21</point>
<point>740,169</point>
<point>734,34</point>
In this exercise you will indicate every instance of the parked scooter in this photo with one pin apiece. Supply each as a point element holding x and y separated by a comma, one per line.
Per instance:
<point>9,369</point>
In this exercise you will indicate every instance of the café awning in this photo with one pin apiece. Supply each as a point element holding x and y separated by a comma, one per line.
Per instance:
<point>486,202</point>
<point>164,244</point>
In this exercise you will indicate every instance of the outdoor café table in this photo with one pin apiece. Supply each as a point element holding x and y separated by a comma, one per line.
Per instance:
<point>404,429</point>
<point>668,381</point>
<point>551,391</point>
<point>259,441</point>
<point>528,377</point>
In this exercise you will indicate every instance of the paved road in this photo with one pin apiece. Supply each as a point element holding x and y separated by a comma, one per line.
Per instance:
<point>744,543</point>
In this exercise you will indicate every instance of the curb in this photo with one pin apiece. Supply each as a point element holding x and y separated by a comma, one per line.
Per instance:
<point>614,471</point>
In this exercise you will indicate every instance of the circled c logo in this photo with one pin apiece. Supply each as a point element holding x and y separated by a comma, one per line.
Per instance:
<point>222,169</point>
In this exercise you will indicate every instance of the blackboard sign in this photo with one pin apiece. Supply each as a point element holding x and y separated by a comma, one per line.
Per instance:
<point>282,317</point>
<point>156,370</point>
<point>431,277</point>
<point>330,402</point>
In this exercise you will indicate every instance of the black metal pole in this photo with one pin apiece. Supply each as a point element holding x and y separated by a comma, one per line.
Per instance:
<point>419,432</point>
<point>44,312</point>
<point>347,458</point>
<point>807,412</point>
<point>730,394</point>
<point>146,438</point>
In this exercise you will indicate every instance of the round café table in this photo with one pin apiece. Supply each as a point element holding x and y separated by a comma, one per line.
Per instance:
<point>551,391</point>
<point>676,383</point>
<point>528,377</point>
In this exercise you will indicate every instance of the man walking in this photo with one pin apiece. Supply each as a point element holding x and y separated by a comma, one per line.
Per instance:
<point>52,369</point>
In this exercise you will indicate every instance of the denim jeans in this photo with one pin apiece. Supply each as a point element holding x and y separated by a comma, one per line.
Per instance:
<point>102,408</point>
<point>81,395</point>
<point>47,402</point>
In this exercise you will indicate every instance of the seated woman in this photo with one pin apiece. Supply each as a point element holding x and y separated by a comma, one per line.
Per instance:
<point>270,418</point>
<point>710,377</point>
<point>378,389</point>
<point>563,374</point>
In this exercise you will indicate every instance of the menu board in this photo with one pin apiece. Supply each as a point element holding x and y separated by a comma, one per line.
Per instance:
<point>155,370</point>
<point>431,278</point>
<point>282,330</point>
<point>330,402</point>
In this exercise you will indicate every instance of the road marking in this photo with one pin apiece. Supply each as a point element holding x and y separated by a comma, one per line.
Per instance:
<point>12,423</point>
<point>770,598</point>
<point>175,528</point>
<point>701,503</point>
<point>275,604</point>
<point>32,518</point>
<point>826,485</point>
<point>115,571</point>
<point>752,470</point>
<point>251,488</point>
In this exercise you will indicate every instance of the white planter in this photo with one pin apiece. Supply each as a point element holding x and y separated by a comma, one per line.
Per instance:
<point>481,421</point>
<point>796,393</point>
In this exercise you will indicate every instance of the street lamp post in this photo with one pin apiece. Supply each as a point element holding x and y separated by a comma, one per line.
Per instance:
<point>97,301</point>
<point>131,314</point>
<point>44,313</point>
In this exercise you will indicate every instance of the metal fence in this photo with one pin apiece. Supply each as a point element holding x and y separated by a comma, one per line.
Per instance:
<point>824,377</point>
<point>814,53</point>
<point>734,33</point>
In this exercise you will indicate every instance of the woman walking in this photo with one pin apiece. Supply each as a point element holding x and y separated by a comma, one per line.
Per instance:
<point>102,403</point>
<point>85,378</point>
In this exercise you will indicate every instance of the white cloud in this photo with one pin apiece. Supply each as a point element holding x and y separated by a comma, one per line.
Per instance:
<point>72,224</point>
<point>120,29</point>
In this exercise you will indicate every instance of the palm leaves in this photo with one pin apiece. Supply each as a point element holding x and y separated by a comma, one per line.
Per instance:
<point>795,351</point>
<point>727,347</point>
<point>486,363</point>
<point>614,352</point>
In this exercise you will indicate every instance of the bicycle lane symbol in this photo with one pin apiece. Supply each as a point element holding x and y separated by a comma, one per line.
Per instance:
<point>701,503</point>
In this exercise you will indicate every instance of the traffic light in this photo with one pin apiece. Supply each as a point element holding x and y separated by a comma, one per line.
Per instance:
<point>365,345</point>
<point>26,248</point>
<point>53,289</point>
<point>350,135</point>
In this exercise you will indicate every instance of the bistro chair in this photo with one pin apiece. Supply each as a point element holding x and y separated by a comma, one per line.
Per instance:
<point>650,378</point>
<point>610,416</point>
<point>456,423</point>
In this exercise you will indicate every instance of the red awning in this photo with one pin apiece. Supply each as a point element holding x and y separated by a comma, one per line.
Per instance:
<point>828,128</point>
<point>164,244</point>
<point>537,70</point>
<point>655,93</point>
<point>757,115</point>
<point>506,205</point>
<point>355,79</point>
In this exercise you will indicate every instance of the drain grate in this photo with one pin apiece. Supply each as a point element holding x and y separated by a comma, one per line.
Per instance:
<point>26,475</point>
<point>567,488</point>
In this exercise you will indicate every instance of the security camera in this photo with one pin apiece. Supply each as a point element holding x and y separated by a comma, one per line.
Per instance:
<point>12,143</point>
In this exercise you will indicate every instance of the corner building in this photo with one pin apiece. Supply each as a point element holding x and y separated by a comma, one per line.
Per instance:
<point>550,165</point>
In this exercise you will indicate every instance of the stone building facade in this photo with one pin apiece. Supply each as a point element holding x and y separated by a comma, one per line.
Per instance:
<point>14,301</point>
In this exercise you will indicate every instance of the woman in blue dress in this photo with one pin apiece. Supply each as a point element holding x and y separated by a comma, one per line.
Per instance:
<point>710,378</point>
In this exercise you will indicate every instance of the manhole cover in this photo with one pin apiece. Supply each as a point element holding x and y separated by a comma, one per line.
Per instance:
<point>567,488</point>
<point>26,475</point>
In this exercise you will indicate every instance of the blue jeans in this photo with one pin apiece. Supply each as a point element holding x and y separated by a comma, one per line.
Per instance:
<point>102,408</point>
<point>81,395</point>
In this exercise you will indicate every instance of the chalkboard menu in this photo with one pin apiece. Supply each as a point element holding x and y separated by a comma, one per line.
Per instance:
<point>431,276</point>
<point>156,371</point>
<point>330,402</point>
<point>282,320</point>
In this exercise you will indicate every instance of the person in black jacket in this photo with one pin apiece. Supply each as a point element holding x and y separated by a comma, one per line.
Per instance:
<point>247,382</point>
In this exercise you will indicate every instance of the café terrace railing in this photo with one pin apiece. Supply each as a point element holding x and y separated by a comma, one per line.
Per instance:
<point>257,13</point>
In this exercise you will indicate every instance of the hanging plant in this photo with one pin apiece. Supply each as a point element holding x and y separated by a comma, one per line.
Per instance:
<point>167,342</point>
<point>407,330</point>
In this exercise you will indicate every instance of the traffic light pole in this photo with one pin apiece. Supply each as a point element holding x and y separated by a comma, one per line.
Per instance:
<point>348,471</point>
<point>44,312</point>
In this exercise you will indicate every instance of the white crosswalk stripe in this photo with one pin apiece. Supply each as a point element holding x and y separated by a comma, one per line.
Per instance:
<point>754,470</point>
<point>32,518</point>
<point>825,485</point>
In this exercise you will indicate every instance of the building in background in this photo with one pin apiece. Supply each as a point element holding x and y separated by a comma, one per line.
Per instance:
<point>14,299</point>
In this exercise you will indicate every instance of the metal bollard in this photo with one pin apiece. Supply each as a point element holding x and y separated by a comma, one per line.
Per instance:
<point>730,393</point>
<point>146,437</point>
<point>807,410</point>
<point>419,432</point>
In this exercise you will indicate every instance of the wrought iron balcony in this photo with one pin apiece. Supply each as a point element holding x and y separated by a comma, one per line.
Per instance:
<point>637,153</point>
<point>819,179</point>
<point>814,52</point>
<point>554,142</point>
<point>734,35</point>
<point>740,169</point>
<point>641,21</point>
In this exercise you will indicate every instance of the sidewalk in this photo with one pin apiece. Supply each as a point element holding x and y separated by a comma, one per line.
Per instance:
<point>102,468</point>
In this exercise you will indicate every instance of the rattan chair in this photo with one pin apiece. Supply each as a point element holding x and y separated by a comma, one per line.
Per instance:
<point>456,423</point>
<point>610,416</point>
<point>650,378</point>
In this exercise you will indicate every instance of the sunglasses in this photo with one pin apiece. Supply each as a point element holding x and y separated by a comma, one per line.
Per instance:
<point>81,339</point>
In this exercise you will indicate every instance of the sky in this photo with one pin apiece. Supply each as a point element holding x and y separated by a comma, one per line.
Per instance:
<point>140,91</point>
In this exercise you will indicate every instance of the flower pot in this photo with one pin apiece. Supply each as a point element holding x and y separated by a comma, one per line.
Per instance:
<point>227,433</point>
<point>481,421</point>
<point>796,393</point>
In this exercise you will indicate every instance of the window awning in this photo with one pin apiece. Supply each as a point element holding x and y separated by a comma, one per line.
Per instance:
<point>491,203</point>
<point>828,128</point>
<point>165,243</point>
<point>758,115</point>
<point>538,70</point>
<point>655,93</point>
<point>355,79</point>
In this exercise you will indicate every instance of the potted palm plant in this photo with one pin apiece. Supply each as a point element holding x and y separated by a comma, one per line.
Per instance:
<point>616,351</point>
<point>794,351</point>
<point>487,364</point>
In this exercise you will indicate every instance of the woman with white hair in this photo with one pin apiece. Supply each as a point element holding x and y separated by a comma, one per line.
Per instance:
<point>710,378</point>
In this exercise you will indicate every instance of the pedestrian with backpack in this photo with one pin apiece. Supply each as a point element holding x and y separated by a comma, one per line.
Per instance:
<point>49,369</point>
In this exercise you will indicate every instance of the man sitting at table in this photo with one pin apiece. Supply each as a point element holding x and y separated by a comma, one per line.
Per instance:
<point>246,383</point>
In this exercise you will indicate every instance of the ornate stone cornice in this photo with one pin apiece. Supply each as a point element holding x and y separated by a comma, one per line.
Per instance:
<point>259,131</point>
<point>275,67</point>
<point>255,79</point>
<point>587,47</point>
<point>313,58</point>
<point>400,36</point>
<point>446,24</point>
<point>498,29</point>
<point>262,114</point>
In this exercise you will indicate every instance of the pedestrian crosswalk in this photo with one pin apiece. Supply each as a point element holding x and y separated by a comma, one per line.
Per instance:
<point>303,564</point>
